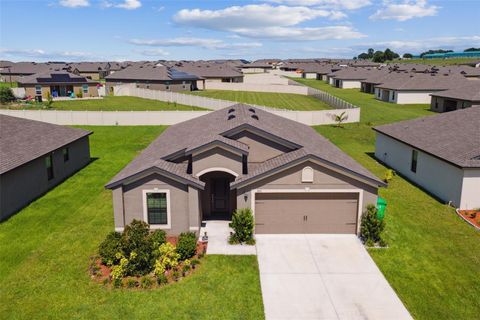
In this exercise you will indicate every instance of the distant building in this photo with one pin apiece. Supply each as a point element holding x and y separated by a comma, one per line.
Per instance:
<point>449,55</point>
<point>35,157</point>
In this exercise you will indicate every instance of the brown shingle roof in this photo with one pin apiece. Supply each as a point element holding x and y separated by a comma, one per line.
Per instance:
<point>51,77</point>
<point>469,92</point>
<point>150,71</point>
<point>23,140</point>
<point>216,126</point>
<point>421,81</point>
<point>451,136</point>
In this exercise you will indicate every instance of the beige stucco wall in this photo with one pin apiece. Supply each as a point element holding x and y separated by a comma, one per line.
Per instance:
<point>25,183</point>
<point>323,178</point>
<point>173,86</point>
<point>217,158</point>
<point>412,97</point>
<point>309,75</point>
<point>133,202</point>
<point>438,177</point>
<point>470,198</point>
<point>92,90</point>
<point>350,84</point>
<point>253,70</point>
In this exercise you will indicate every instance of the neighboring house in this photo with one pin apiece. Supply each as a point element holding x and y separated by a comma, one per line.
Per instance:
<point>91,70</point>
<point>255,67</point>
<point>35,157</point>
<point>439,153</point>
<point>461,97</point>
<point>318,71</point>
<point>209,72</point>
<point>18,70</point>
<point>349,78</point>
<point>153,76</point>
<point>58,84</point>
<point>294,180</point>
<point>368,84</point>
<point>413,88</point>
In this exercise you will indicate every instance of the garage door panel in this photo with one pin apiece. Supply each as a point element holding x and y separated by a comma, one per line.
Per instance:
<point>325,212</point>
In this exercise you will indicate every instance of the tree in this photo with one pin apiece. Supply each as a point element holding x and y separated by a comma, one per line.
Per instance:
<point>363,56</point>
<point>378,56</point>
<point>370,53</point>
<point>340,118</point>
<point>434,51</point>
<point>407,56</point>
<point>471,49</point>
<point>6,95</point>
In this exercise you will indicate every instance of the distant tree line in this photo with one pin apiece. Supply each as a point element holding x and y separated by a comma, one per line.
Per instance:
<point>471,49</point>
<point>378,56</point>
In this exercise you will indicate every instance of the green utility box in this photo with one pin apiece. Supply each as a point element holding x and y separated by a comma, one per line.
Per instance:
<point>381,205</point>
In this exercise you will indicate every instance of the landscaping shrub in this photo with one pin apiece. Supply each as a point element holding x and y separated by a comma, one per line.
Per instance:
<point>6,95</point>
<point>146,282</point>
<point>135,240</point>
<point>109,248</point>
<point>371,227</point>
<point>162,279</point>
<point>187,245</point>
<point>242,225</point>
<point>388,176</point>
<point>157,238</point>
<point>131,283</point>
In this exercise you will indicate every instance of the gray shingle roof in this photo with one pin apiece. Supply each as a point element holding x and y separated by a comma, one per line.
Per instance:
<point>469,92</point>
<point>150,72</point>
<point>23,140</point>
<point>50,77</point>
<point>207,70</point>
<point>421,81</point>
<point>216,126</point>
<point>451,136</point>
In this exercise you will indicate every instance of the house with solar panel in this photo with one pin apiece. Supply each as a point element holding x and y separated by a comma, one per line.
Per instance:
<point>58,83</point>
<point>153,76</point>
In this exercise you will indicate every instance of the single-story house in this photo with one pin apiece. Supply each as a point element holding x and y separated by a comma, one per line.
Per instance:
<point>294,180</point>
<point>318,71</point>
<point>256,67</point>
<point>153,76</point>
<point>209,72</point>
<point>90,70</point>
<point>349,78</point>
<point>439,153</point>
<point>416,88</point>
<point>58,84</point>
<point>36,156</point>
<point>368,84</point>
<point>461,97</point>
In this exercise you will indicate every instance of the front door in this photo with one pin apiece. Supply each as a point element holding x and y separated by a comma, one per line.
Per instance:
<point>220,195</point>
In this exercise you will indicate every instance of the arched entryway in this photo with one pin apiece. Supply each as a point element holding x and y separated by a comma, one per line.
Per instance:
<point>217,200</point>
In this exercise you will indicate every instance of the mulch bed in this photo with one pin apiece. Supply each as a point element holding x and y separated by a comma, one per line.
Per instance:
<point>101,273</point>
<point>471,216</point>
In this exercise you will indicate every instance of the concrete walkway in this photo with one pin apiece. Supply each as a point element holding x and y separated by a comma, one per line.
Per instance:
<point>323,277</point>
<point>218,232</point>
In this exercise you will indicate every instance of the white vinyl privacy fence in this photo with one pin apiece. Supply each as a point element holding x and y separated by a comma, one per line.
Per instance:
<point>138,118</point>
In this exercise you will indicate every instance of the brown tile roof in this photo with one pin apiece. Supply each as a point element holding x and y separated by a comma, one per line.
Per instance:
<point>217,125</point>
<point>23,140</point>
<point>451,136</point>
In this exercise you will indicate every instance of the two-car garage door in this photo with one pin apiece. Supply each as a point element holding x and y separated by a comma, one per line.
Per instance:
<point>306,212</point>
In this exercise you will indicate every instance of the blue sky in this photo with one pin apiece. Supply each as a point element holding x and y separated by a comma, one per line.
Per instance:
<point>72,30</point>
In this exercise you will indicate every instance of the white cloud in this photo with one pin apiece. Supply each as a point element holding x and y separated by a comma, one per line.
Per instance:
<point>265,21</point>
<point>336,4</point>
<point>42,54</point>
<point>129,4</point>
<point>74,3</point>
<point>302,34</point>
<point>154,52</point>
<point>405,10</point>
<point>194,42</point>
<point>250,16</point>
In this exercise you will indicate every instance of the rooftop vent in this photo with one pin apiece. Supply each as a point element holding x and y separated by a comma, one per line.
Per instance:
<point>231,110</point>
<point>251,110</point>
<point>230,117</point>
<point>254,116</point>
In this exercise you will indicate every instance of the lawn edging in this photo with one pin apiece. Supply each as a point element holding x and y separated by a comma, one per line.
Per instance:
<point>466,220</point>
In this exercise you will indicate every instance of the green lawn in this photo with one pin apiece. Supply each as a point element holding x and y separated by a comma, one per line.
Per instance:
<point>434,257</point>
<point>277,100</point>
<point>45,250</point>
<point>112,103</point>
<point>8,84</point>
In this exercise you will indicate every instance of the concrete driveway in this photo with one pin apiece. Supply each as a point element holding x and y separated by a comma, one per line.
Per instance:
<point>323,277</point>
